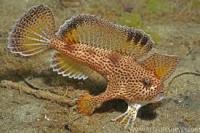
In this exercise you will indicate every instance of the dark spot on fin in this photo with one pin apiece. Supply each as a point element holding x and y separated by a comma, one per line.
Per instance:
<point>79,20</point>
<point>137,37</point>
<point>149,44</point>
<point>73,25</point>
<point>90,30</point>
<point>131,34</point>
<point>144,40</point>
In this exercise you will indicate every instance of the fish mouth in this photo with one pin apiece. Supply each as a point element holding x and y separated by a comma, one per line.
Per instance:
<point>160,96</point>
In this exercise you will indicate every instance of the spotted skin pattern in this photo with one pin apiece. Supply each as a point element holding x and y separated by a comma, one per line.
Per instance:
<point>127,79</point>
<point>96,45</point>
<point>124,75</point>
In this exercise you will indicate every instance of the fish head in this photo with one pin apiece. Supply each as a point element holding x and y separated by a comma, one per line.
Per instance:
<point>158,69</point>
<point>149,86</point>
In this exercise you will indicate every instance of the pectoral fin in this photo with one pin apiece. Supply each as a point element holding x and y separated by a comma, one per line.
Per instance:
<point>128,118</point>
<point>68,67</point>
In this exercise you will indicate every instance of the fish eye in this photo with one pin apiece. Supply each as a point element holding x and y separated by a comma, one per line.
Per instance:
<point>146,82</point>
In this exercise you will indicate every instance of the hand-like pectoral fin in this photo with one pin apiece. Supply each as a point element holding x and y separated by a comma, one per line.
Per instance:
<point>127,119</point>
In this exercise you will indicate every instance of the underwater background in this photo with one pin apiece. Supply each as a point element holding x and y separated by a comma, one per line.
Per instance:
<point>174,26</point>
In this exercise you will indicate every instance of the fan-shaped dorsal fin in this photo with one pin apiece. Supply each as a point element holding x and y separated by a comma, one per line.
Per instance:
<point>99,33</point>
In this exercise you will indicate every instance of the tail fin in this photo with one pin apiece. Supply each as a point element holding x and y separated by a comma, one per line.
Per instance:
<point>32,32</point>
<point>86,104</point>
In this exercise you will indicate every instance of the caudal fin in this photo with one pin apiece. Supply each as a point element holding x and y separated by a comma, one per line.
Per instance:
<point>32,32</point>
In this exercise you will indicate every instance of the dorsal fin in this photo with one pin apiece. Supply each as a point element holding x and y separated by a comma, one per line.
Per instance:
<point>66,66</point>
<point>162,65</point>
<point>99,33</point>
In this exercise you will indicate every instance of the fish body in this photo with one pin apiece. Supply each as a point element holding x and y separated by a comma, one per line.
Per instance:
<point>122,72</point>
<point>86,44</point>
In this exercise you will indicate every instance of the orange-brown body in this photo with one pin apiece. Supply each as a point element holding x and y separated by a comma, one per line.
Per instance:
<point>124,75</point>
<point>87,44</point>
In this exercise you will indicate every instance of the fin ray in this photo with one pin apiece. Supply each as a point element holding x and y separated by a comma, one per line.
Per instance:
<point>37,25</point>
<point>99,33</point>
<point>162,65</point>
<point>66,66</point>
